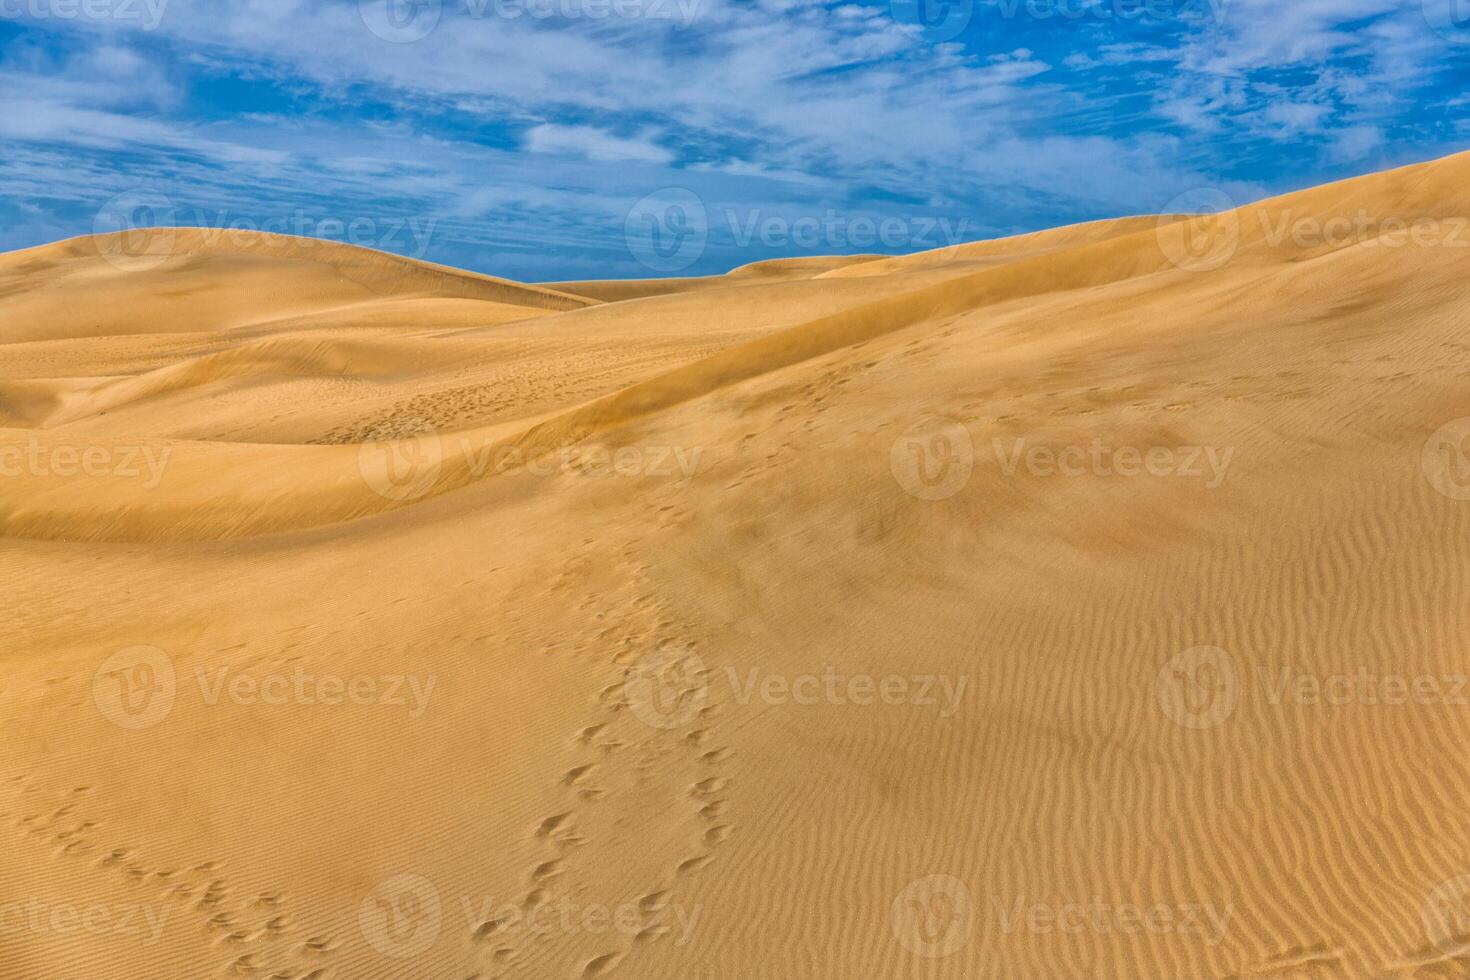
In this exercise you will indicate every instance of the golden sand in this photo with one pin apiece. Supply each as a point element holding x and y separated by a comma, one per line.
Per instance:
<point>1087,604</point>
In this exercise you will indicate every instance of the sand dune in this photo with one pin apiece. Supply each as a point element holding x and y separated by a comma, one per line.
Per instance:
<point>1085,604</point>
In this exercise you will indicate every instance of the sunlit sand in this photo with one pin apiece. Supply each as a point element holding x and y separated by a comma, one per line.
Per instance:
<point>1091,603</point>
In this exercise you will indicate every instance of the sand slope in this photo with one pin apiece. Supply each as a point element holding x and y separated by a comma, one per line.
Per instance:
<point>1089,604</point>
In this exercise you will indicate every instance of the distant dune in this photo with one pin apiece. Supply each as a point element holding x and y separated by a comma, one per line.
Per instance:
<point>1085,604</point>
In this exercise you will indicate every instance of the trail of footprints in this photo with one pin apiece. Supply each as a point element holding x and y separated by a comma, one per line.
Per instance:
<point>603,745</point>
<point>255,934</point>
<point>803,417</point>
<point>487,392</point>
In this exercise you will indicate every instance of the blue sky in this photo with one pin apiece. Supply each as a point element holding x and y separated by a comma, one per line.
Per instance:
<point>566,139</point>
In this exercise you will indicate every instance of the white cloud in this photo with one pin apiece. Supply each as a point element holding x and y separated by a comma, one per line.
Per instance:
<point>594,144</point>
<point>1296,117</point>
<point>1355,142</point>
